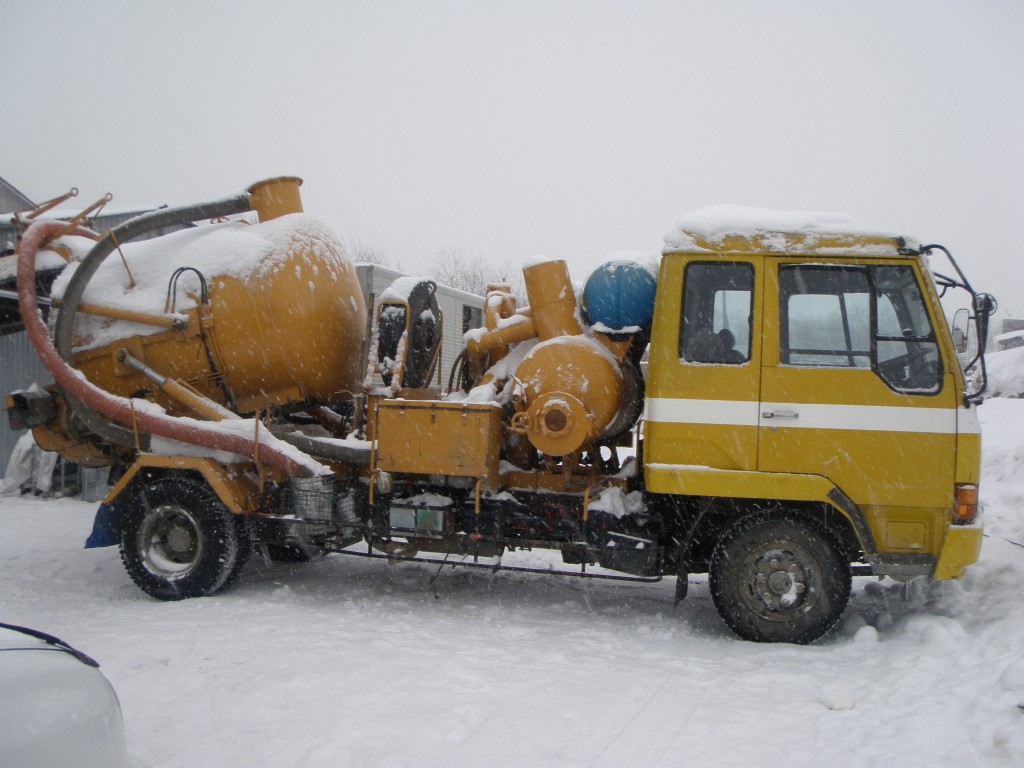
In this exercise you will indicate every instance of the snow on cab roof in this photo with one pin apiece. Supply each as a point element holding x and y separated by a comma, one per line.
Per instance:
<point>742,228</point>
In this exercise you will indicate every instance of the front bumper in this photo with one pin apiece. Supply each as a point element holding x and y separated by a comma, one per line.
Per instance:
<point>960,549</point>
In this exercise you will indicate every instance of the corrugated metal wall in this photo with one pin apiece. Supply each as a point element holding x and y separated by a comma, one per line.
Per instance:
<point>9,234</point>
<point>11,199</point>
<point>19,366</point>
<point>19,369</point>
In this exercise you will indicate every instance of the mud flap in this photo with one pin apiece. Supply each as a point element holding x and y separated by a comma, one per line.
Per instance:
<point>682,586</point>
<point>106,528</point>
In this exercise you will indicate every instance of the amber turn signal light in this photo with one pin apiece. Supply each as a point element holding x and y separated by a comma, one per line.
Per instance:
<point>966,497</point>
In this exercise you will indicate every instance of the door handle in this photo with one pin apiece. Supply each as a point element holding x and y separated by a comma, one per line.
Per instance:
<point>779,415</point>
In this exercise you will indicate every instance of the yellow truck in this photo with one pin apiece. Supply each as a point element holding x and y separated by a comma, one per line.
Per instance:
<point>781,406</point>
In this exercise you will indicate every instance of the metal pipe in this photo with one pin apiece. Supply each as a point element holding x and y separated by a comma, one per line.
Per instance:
<point>5,294</point>
<point>203,406</point>
<point>42,208</point>
<point>581,574</point>
<point>131,315</point>
<point>346,454</point>
<point>79,218</point>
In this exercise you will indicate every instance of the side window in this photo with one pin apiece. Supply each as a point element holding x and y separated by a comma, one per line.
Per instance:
<point>825,316</point>
<point>472,317</point>
<point>715,323</point>
<point>859,317</point>
<point>908,354</point>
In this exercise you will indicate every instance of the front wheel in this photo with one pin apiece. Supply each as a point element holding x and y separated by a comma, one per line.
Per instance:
<point>778,577</point>
<point>179,541</point>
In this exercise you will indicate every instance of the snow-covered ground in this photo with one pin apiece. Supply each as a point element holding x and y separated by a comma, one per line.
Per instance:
<point>347,662</point>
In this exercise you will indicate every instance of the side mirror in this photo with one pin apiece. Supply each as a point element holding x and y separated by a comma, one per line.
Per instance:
<point>959,330</point>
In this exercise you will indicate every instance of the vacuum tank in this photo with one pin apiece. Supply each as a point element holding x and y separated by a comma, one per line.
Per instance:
<point>248,315</point>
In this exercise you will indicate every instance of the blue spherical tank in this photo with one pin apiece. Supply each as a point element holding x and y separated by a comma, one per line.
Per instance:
<point>619,297</point>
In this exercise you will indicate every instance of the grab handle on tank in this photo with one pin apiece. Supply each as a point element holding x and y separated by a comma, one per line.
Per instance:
<point>172,288</point>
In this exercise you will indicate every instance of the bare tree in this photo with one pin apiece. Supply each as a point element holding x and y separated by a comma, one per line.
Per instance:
<point>453,269</point>
<point>510,276</point>
<point>361,253</point>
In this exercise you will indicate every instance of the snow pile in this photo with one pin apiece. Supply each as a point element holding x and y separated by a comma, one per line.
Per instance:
<point>1002,469</point>
<point>45,260</point>
<point>29,467</point>
<point>644,259</point>
<point>1005,373</point>
<point>836,696</point>
<point>501,373</point>
<point>618,503</point>
<point>401,289</point>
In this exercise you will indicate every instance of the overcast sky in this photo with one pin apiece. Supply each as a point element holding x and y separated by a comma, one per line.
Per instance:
<point>515,129</point>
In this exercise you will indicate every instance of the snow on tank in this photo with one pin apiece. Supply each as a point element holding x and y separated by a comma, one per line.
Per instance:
<point>282,322</point>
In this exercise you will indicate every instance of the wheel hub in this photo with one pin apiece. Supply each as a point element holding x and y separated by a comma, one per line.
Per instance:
<point>170,541</point>
<point>780,580</point>
<point>179,540</point>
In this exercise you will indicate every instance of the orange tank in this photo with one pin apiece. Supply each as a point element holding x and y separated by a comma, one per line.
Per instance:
<point>248,315</point>
<point>575,391</point>
<point>574,386</point>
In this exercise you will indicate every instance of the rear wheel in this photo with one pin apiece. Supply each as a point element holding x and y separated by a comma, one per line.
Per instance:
<point>780,577</point>
<point>179,541</point>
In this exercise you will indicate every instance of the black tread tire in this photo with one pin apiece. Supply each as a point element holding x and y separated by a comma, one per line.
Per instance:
<point>772,544</point>
<point>213,545</point>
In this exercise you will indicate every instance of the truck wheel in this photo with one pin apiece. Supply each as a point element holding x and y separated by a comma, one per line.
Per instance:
<point>779,578</point>
<point>179,541</point>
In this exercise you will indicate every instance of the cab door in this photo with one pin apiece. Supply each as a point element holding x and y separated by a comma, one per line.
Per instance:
<point>704,369</point>
<point>855,389</point>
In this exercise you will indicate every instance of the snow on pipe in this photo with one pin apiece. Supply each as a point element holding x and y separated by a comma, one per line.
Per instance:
<point>332,452</point>
<point>108,405</point>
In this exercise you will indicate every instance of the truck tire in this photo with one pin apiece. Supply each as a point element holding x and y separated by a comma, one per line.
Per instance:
<point>179,541</point>
<point>780,577</point>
